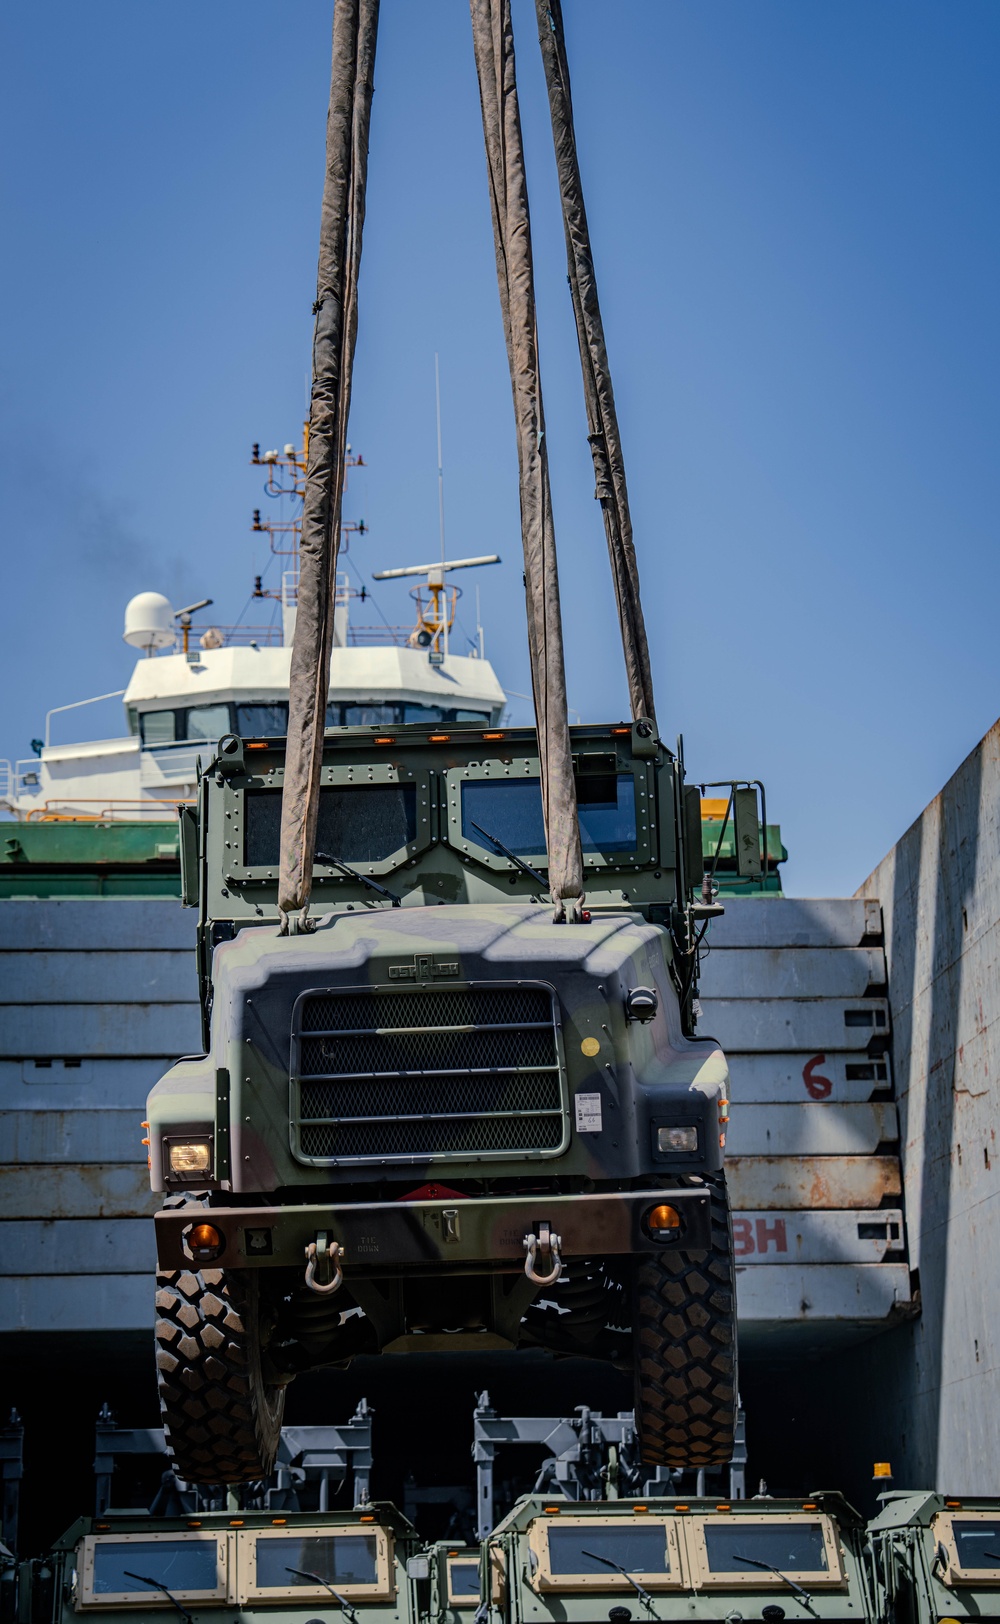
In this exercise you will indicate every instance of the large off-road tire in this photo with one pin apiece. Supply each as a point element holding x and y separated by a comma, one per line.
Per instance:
<point>222,1415</point>
<point>684,1337</point>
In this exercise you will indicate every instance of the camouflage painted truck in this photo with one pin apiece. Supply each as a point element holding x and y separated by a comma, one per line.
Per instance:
<point>438,1120</point>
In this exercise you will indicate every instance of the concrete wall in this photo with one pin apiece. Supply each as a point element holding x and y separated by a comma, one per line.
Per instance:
<point>933,1388</point>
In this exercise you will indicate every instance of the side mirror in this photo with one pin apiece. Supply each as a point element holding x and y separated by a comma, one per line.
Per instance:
<point>746,823</point>
<point>187,843</point>
<point>418,1567</point>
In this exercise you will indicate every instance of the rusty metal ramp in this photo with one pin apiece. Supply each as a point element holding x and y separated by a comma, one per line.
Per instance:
<point>795,991</point>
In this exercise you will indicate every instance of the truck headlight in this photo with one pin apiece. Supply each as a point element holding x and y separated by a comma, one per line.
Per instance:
<point>186,1156</point>
<point>680,1141</point>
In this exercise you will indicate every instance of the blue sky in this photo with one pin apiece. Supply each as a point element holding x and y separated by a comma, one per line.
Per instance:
<point>795,216</point>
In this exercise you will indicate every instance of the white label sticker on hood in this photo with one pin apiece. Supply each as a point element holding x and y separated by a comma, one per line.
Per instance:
<point>588,1113</point>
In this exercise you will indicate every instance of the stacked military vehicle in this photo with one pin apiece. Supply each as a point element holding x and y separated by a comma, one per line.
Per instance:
<point>922,1559</point>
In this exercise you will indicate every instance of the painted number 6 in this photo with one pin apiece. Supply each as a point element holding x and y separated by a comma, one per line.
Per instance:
<point>817,1087</point>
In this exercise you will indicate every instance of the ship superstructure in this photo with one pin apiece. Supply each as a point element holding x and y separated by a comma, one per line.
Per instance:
<point>190,686</point>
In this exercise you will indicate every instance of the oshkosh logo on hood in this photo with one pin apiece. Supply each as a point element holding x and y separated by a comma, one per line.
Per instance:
<point>424,966</point>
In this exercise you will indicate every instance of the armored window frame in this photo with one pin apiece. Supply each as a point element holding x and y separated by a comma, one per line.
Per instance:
<point>954,1573</point>
<point>705,1577</point>
<point>383,1588</point>
<point>341,776</point>
<point>543,1579</point>
<point>147,1596</point>
<point>467,1559</point>
<point>514,768</point>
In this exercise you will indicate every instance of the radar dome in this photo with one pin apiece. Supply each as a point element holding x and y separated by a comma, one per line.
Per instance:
<point>149,622</point>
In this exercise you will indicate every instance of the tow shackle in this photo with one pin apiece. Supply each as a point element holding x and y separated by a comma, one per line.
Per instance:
<point>324,1274</point>
<point>545,1241</point>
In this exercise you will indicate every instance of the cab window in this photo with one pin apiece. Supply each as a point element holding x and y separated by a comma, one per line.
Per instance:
<point>578,1549</point>
<point>361,823</point>
<point>463,1579</point>
<point>754,1548</point>
<point>181,1564</point>
<point>343,1559</point>
<point>977,1544</point>
<point>511,809</point>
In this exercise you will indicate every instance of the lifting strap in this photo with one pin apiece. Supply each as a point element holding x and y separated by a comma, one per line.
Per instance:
<point>493,41</point>
<point>602,419</point>
<point>355,25</point>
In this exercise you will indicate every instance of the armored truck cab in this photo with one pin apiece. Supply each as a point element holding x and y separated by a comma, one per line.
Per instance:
<point>437,1119</point>
<point>936,1558</point>
<point>670,1559</point>
<point>287,1569</point>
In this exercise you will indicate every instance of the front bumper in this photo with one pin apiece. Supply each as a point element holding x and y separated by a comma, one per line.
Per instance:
<point>471,1235</point>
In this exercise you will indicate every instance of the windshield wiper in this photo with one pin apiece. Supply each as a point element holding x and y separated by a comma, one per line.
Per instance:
<point>525,868</point>
<point>348,1611</point>
<point>609,1562</point>
<point>992,1556</point>
<point>797,1590</point>
<point>362,879</point>
<point>156,1585</point>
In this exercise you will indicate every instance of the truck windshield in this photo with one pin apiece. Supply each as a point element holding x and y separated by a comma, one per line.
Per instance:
<point>790,1547</point>
<point>339,1559</point>
<point>977,1543</point>
<point>638,1548</point>
<point>463,1577</point>
<point>511,809</point>
<point>180,1564</point>
<point>359,823</point>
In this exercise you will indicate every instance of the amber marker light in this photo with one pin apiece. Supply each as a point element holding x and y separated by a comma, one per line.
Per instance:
<point>552,1511</point>
<point>279,1522</point>
<point>809,1505</point>
<point>954,1505</point>
<point>205,1243</point>
<point>637,1509</point>
<point>194,1522</point>
<point>387,740</point>
<point>616,730</point>
<point>367,1519</point>
<point>682,1508</point>
<point>493,735</point>
<point>723,1508</point>
<point>439,738</point>
<point>260,746</point>
<point>881,1471</point>
<point>237,1522</point>
<point>663,1221</point>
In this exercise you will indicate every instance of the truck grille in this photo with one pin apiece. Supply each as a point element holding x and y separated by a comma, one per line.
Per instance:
<point>381,1075</point>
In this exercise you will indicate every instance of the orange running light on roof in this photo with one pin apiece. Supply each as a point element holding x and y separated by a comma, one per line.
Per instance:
<point>439,738</point>
<point>388,739</point>
<point>255,746</point>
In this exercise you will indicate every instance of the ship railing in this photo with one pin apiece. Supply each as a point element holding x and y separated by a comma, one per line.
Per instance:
<point>119,810</point>
<point>6,782</point>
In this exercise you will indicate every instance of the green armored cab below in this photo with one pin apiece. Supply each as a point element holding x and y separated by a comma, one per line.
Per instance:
<point>936,1559</point>
<point>288,1569</point>
<point>437,1120</point>
<point>677,1559</point>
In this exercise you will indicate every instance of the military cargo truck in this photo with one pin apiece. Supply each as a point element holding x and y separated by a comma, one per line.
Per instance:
<point>283,1568</point>
<point>439,1120</point>
<point>936,1558</point>
<point>677,1559</point>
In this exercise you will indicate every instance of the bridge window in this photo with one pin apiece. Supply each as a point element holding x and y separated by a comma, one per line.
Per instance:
<point>262,720</point>
<point>207,722</point>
